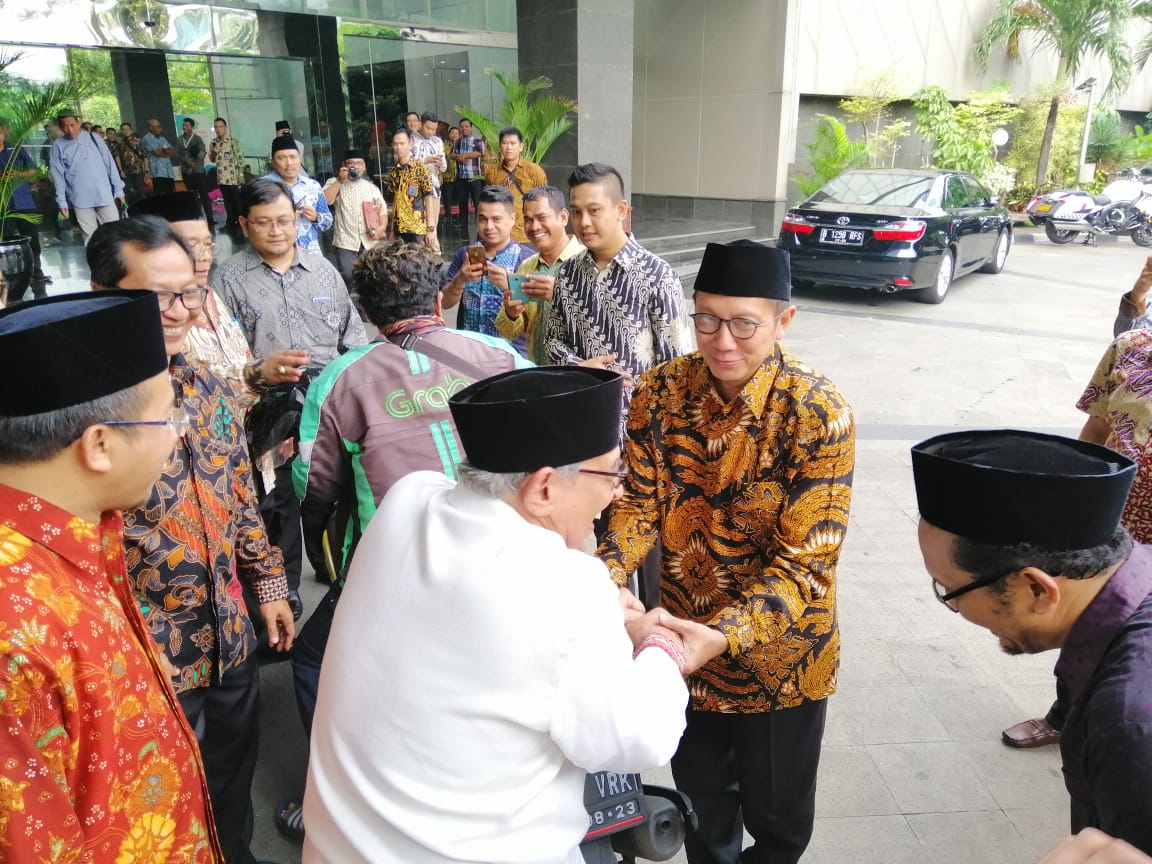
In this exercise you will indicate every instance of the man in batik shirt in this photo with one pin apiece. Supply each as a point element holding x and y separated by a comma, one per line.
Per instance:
<point>198,534</point>
<point>409,182</point>
<point>97,762</point>
<point>741,463</point>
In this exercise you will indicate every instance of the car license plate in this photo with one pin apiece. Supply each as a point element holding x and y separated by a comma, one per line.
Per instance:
<point>842,236</point>
<point>1043,208</point>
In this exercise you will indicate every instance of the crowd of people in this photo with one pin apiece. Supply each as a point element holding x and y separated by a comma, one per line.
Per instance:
<point>581,530</point>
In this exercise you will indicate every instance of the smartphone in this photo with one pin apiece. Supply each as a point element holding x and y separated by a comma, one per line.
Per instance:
<point>475,254</point>
<point>516,287</point>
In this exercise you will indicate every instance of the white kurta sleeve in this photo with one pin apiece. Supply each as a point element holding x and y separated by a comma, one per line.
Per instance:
<point>613,713</point>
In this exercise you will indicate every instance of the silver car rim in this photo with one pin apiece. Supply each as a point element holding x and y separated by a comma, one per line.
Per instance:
<point>944,277</point>
<point>1002,250</point>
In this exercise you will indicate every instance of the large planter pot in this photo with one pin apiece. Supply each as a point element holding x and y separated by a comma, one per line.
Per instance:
<point>16,264</point>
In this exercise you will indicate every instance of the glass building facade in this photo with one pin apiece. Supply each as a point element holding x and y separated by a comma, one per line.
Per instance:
<point>342,72</point>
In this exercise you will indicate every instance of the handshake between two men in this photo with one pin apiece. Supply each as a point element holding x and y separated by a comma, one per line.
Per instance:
<point>689,643</point>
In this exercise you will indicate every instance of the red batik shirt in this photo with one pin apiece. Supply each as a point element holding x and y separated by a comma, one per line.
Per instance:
<point>97,763</point>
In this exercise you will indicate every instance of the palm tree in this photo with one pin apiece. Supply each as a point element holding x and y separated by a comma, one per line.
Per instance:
<point>1076,30</point>
<point>541,117</point>
<point>24,108</point>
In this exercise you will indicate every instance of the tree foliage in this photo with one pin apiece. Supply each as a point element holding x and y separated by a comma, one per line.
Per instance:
<point>1077,31</point>
<point>1028,135</point>
<point>961,135</point>
<point>830,153</point>
<point>541,116</point>
<point>25,106</point>
<point>873,111</point>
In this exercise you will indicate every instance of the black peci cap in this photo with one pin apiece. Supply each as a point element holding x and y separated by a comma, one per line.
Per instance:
<point>745,268</point>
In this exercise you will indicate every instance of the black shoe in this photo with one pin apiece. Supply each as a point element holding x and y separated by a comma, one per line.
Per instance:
<point>296,604</point>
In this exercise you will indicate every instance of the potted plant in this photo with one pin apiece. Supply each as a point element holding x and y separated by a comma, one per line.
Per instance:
<point>24,108</point>
<point>542,117</point>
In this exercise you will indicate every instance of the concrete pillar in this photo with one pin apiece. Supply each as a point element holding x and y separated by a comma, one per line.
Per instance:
<point>585,47</point>
<point>142,88</point>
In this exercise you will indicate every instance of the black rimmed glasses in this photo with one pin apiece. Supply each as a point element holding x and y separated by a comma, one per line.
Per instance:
<point>193,298</point>
<point>947,597</point>
<point>740,328</point>
<point>618,476</point>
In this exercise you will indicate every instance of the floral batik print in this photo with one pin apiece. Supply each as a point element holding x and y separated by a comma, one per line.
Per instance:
<point>97,763</point>
<point>748,500</point>
<point>1120,394</point>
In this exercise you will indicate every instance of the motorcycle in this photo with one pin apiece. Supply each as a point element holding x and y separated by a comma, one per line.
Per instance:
<point>633,820</point>
<point>1040,206</point>
<point>1124,207</point>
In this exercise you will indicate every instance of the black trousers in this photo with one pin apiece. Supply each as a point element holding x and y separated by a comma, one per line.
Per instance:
<point>14,228</point>
<point>134,188</point>
<point>231,195</point>
<point>281,511</point>
<point>198,183</point>
<point>225,718</point>
<point>468,190</point>
<point>160,185</point>
<point>754,771</point>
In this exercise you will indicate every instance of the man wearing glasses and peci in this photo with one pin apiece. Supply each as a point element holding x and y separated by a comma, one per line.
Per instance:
<point>199,535</point>
<point>1021,535</point>
<point>741,461</point>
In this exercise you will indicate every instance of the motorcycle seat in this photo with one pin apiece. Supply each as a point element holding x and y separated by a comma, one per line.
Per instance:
<point>1101,199</point>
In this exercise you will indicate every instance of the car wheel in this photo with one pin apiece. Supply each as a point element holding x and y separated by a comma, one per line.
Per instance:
<point>996,263</point>
<point>1057,236</point>
<point>1142,234</point>
<point>938,290</point>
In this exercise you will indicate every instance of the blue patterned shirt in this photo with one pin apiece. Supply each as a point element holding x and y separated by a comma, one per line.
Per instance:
<point>482,301</point>
<point>470,169</point>
<point>306,192</point>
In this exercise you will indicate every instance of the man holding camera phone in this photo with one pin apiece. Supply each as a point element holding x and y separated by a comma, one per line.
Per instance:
<point>360,216</point>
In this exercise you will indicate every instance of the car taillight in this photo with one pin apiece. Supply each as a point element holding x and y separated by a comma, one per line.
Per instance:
<point>900,231</point>
<point>796,224</point>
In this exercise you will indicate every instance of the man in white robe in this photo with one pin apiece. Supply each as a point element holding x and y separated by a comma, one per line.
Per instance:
<point>479,664</point>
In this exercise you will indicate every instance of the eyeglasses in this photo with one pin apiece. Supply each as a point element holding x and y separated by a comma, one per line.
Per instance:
<point>177,420</point>
<point>193,298</point>
<point>283,223</point>
<point>740,328</point>
<point>618,477</point>
<point>947,597</point>
<point>203,250</point>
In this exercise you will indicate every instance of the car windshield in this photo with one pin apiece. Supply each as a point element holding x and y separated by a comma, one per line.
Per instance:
<point>877,188</point>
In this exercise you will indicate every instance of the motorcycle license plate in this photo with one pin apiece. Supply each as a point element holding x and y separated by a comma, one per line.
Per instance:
<point>841,236</point>
<point>613,801</point>
<point>1043,208</point>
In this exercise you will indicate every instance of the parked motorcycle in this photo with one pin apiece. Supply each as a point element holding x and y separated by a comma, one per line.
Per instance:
<point>1124,207</point>
<point>1038,208</point>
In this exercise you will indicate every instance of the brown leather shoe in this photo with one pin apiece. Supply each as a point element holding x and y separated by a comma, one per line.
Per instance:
<point>1037,732</point>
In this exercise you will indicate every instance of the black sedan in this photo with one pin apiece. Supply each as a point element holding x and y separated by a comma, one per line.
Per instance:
<point>897,230</point>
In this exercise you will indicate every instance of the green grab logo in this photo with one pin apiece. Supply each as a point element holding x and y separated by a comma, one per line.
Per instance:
<point>400,403</point>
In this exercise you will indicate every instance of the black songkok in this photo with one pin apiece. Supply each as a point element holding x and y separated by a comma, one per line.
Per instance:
<point>281,125</point>
<point>527,419</point>
<point>76,348</point>
<point>170,206</point>
<point>284,142</point>
<point>1004,487</point>
<point>745,268</point>
<point>352,154</point>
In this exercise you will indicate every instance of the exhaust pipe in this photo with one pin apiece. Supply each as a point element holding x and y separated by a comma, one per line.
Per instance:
<point>888,289</point>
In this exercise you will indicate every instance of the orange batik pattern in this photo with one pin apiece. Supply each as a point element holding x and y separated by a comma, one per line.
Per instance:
<point>97,763</point>
<point>749,502</point>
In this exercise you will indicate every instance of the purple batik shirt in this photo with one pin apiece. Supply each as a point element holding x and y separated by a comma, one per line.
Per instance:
<point>1104,683</point>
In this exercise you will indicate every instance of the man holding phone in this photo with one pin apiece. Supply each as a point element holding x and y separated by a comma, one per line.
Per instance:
<point>360,214</point>
<point>477,278</point>
<point>546,223</point>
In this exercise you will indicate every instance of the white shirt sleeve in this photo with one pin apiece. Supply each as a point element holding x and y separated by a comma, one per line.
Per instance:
<point>613,713</point>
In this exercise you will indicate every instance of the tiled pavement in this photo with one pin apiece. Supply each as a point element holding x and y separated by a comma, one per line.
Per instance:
<point>913,771</point>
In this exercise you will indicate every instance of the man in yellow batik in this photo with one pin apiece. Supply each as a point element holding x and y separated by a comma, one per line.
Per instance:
<point>741,463</point>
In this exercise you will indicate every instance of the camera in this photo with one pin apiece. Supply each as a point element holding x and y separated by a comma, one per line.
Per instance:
<point>353,173</point>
